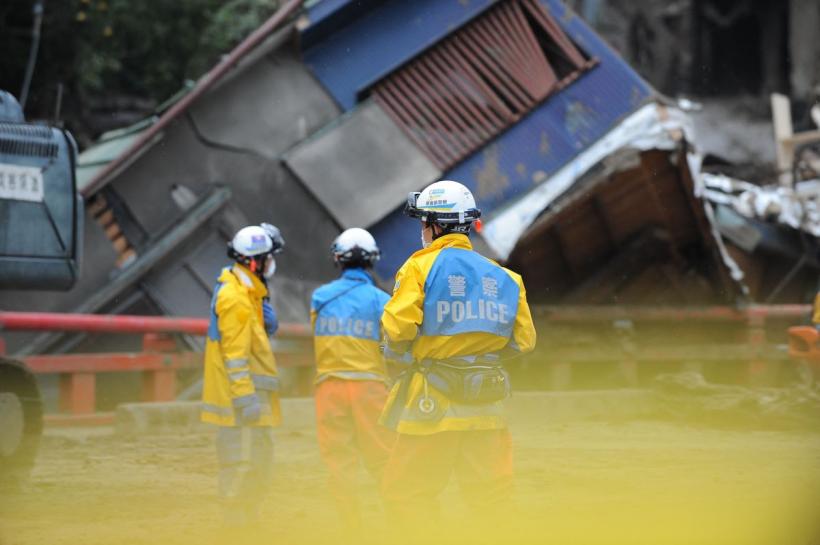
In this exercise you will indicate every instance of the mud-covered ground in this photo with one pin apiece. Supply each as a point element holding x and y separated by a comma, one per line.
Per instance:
<point>633,482</point>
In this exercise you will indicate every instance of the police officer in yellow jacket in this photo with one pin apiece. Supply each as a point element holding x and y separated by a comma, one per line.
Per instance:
<point>240,390</point>
<point>351,376</point>
<point>453,318</point>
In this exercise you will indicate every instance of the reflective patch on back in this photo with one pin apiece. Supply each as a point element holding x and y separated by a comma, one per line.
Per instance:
<point>466,293</point>
<point>347,326</point>
<point>354,314</point>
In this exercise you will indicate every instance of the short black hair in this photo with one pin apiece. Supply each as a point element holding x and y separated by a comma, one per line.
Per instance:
<point>356,264</point>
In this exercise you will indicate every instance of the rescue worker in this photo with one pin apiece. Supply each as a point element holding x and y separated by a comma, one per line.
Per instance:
<point>454,317</point>
<point>350,371</point>
<point>240,382</point>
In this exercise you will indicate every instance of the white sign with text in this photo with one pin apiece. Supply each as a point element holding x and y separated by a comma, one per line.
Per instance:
<point>21,183</point>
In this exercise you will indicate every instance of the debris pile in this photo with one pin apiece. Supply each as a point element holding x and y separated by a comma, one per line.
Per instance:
<point>689,397</point>
<point>795,207</point>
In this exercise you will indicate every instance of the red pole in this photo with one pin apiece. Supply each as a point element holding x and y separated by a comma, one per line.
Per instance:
<point>103,323</point>
<point>714,313</point>
<point>100,323</point>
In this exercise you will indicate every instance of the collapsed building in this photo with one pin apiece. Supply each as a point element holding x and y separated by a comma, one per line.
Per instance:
<point>589,182</point>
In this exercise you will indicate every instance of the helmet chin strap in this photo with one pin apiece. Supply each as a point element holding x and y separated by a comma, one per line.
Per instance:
<point>446,230</point>
<point>256,266</point>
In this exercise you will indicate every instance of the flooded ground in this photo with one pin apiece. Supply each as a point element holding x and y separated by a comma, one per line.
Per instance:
<point>588,482</point>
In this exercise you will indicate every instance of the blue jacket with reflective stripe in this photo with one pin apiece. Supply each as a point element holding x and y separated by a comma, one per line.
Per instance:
<point>345,315</point>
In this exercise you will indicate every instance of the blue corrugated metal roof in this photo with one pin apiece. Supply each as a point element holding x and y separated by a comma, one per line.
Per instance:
<point>327,16</point>
<point>354,57</point>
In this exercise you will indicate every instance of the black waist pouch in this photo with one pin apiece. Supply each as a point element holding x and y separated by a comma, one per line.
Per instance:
<point>470,384</point>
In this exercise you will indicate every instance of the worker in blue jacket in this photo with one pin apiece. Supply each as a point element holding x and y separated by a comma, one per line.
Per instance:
<point>350,371</point>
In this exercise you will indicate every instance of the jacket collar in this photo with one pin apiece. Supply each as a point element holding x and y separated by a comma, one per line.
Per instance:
<point>241,275</point>
<point>358,274</point>
<point>453,240</point>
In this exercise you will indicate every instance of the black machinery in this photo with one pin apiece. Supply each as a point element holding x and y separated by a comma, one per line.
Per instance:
<point>41,216</point>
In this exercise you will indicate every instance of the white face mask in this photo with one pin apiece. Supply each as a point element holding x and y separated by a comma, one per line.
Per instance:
<point>270,269</point>
<point>424,243</point>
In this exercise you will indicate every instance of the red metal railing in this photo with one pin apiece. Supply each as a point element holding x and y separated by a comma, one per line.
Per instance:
<point>160,359</point>
<point>751,336</point>
<point>804,344</point>
<point>100,323</point>
<point>571,314</point>
<point>158,362</point>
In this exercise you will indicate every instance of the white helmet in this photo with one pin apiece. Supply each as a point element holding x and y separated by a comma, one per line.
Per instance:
<point>355,245</point>
<point>447,203</point>
<point>251,241</point>
<point>254,246</point>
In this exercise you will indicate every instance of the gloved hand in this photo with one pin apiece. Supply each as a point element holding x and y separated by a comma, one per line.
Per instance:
<point>251,413</point>
<point>271,322</point>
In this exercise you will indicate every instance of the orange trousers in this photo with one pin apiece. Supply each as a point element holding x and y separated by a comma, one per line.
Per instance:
<point>420,467</point>
<point>347,414</point>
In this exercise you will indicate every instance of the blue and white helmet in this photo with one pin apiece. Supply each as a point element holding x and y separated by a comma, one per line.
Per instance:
<point>251,241</point>
<point>447,203</point>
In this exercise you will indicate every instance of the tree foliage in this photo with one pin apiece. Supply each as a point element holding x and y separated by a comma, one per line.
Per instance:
<point>115,52</point>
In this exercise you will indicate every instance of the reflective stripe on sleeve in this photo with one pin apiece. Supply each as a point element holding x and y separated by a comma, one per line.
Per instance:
<point>265,382</point>
<point>236,364</point>
<point>351,375</point>
<point>238,375</point>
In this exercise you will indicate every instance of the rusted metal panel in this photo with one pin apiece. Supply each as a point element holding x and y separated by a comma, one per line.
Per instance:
<point>480,79</point>
<point>538,10</point>
<point>530,151</point>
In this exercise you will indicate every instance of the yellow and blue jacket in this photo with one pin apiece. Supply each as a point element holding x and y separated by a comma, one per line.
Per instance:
<point>345,315</point>
<point>239,365</point>
<point>451,303</point>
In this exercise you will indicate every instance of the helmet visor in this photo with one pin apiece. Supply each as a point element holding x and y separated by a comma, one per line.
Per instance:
<point>275,236</point>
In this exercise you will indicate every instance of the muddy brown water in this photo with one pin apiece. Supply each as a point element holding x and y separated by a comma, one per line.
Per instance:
<point>588,482</point>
